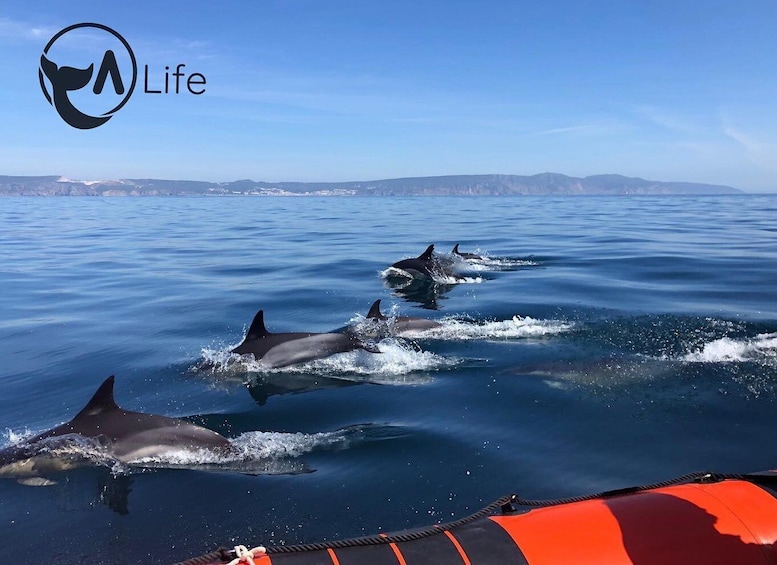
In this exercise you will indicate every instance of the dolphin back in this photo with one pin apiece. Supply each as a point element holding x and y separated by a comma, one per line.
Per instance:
<point>310,348</point>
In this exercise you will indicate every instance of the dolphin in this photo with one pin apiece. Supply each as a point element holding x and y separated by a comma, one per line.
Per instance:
<point>63,80</point>
<point>274,350</point>
<point>401,325</point>
<point>420,267</point>
<point>425,266</point>
<point>117,433</point>
<point>464,255</point>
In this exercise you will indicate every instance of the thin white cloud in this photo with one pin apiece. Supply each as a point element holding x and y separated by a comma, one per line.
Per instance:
<point>744,140</point>
<point>23,31</point>
<point>757,151</point>
<point>587,128</point>
<point>669,120</point>
<point>592,126</point>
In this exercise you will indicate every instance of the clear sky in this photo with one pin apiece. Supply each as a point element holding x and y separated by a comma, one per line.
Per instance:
<point>333,90</point>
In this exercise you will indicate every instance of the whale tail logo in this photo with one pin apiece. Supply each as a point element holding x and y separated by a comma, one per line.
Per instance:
<point>65,79</point>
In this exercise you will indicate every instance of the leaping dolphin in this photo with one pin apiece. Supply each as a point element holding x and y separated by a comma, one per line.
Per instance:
<point>120,434</point>
<point>274,350</point>
<point>401,325</point>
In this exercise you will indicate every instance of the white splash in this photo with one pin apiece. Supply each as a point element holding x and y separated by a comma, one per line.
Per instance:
<point>397,363</point>
<point>397,358</point>
<point>484,262</point>
<point>251,452</point>
<point>515,328</point>
<point>267,445</point>
<point>437,277</point>
<point>12,437</point>
<point>759,348</point>
<point>259,452</point>
<point>458,279</point>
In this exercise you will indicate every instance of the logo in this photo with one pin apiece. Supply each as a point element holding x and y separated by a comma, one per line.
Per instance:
<point>88,73</point>
<point>85,98</point>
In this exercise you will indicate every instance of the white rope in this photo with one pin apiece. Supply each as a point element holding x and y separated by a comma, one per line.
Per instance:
<point>245,555</point>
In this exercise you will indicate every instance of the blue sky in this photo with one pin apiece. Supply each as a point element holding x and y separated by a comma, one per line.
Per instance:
<point>312,90</point>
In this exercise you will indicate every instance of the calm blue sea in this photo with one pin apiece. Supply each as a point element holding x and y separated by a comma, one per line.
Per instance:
<point>604,342</point>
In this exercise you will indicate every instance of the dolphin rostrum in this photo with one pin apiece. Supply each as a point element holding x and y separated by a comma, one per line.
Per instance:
<point>401,325</point>
<point>118,434</point>
<point>274,350</point>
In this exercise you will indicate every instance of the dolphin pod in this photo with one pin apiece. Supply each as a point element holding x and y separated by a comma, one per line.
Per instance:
<point>426,266</point>
<point>128,437</point>
<point>429,266</point>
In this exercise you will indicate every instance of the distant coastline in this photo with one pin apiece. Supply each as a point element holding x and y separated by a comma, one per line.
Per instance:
<point>551,184</point>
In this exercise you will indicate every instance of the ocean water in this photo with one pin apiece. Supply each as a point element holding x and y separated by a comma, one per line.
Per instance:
<point>601,343</point>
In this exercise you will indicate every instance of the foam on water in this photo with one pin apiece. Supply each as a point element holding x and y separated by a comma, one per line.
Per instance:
<point>487,263</point>
<point>12,437</point>
<point>72,449</point>
<point>762,347</point>
<point>515,328</point>
<point>397,358</point>
<point>437,277</point>
<point>264,452</point>
<point>251,452</point>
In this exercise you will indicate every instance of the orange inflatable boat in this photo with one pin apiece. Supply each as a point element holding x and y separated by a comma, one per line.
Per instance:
<point>703,519</point>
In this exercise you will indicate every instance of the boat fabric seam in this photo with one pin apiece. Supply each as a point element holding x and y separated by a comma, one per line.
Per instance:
<point>735,515</point>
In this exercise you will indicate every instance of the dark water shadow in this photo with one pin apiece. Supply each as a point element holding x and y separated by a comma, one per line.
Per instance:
<point>75,490</point>
<point>425,293</point>
<point>114,491</point>
<point>262,387</point>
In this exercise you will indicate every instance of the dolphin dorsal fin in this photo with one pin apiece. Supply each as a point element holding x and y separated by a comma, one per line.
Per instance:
<point>427,255</point>
<point>375,311</point>
<point>257,329</point>
<point>101,401</point>
<point>455,249</point>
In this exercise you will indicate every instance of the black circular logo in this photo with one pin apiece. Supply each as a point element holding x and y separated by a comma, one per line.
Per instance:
<point>68,65</point>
